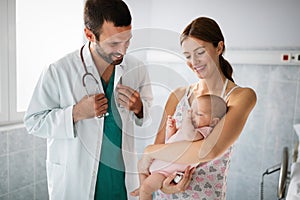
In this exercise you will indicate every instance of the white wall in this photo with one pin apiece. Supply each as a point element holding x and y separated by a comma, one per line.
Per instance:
<point>255,24</point>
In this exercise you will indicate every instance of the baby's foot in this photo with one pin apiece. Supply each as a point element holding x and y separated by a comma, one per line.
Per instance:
<point>135,193</point>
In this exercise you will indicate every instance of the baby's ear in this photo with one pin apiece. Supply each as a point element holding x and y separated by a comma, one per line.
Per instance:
<point>214,122</point>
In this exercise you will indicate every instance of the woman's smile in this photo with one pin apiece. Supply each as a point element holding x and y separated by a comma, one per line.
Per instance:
<point>199,68</point>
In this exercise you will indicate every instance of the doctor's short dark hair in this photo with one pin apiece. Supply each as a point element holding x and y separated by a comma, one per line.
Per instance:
<point>98,11</point>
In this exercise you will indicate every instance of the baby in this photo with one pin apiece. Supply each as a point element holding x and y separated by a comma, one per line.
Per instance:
<point>206,111</point>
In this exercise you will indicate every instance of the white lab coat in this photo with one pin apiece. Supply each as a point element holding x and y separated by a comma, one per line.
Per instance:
<point>73,150</point>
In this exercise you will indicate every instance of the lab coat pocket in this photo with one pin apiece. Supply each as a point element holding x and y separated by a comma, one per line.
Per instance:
<point>56,180</point>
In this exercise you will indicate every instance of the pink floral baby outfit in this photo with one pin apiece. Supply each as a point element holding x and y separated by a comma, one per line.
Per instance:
<point>209,180</point>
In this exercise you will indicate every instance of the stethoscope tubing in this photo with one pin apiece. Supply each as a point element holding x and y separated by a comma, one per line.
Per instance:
<point>89,74</point>
<point>85,69</point>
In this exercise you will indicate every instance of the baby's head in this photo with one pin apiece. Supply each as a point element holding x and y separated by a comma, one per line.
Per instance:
<point>207,110</point>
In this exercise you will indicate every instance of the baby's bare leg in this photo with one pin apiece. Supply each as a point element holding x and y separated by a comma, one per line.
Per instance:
<point>150,185</point>
<point>142,178</point>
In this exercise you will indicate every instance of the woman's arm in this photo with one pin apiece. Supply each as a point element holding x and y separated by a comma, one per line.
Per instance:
<point>226,132</point>
<point>169,110</point>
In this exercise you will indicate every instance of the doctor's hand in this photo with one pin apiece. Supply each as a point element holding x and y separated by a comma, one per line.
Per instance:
<point>130,99</point>
<point>89,107</point>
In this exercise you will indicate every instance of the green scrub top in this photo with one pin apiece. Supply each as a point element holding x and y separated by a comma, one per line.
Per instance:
<point>111,172</point>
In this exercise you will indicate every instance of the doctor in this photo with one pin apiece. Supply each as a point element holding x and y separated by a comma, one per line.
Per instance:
<point>86,105</point>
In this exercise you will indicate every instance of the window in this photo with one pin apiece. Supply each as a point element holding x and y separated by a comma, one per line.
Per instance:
<point>3,60</point>
<point>37,33</point>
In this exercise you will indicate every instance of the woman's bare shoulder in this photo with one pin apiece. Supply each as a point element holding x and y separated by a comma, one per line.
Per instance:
<point>174,98</point>
<point>244,94</point>
<point>178,92</point>
<point>247,92</point>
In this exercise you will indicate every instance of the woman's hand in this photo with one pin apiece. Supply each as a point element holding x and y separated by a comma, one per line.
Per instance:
<point>169,187</point>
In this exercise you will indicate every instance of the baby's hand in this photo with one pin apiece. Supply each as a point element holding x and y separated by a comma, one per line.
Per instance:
<point>171,122</point>
<point>171,125</point>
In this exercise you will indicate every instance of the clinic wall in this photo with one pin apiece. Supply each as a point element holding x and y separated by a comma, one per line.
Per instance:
<point>268,129</point>
<point>246,24</point>
<point>22,166</point>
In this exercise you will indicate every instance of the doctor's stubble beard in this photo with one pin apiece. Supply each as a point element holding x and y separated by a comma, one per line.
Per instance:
<point>107,57</point>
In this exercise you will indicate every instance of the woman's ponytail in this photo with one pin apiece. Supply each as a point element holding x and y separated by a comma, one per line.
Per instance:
<point>226,68</point>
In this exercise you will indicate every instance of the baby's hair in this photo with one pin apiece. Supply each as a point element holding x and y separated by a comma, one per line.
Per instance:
<point>218,106</point>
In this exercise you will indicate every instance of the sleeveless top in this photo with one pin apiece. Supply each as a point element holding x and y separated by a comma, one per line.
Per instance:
<point>209,179</point>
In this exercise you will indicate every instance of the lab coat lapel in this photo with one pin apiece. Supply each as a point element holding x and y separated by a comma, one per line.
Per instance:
<point>119,70</point>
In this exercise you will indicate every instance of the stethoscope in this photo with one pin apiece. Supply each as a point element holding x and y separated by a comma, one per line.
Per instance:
<point>87,74</point>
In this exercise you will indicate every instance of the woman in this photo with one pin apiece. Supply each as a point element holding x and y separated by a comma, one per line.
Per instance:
<point>203,45</point>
